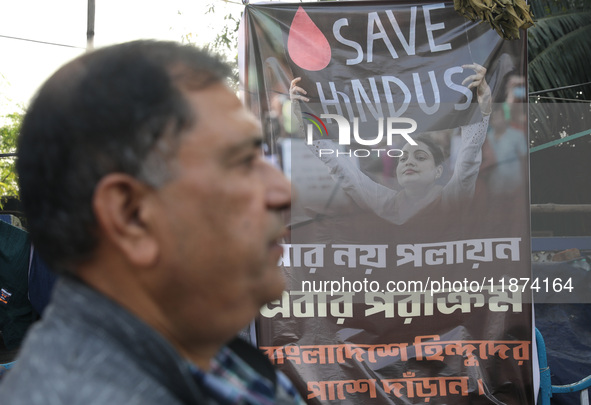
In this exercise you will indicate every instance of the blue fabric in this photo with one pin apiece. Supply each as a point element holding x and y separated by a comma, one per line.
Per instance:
<point>41,282</point>
<point>4,367</point>
<point>563,320</point>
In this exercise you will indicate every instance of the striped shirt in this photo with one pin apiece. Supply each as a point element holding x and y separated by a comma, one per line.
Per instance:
<point>232,381</point>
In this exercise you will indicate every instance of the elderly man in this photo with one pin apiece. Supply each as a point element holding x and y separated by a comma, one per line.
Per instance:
<point>143,182</point>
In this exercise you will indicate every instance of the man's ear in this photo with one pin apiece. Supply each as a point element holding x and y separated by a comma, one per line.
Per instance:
<point>120,206</point>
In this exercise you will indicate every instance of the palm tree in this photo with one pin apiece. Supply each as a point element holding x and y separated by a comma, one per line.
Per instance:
<point>559,56</point>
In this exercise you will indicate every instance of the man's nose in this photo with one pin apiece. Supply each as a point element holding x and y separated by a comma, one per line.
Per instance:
<point>278,194</point>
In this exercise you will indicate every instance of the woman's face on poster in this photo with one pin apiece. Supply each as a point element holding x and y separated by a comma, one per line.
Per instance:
<point>416,167</point>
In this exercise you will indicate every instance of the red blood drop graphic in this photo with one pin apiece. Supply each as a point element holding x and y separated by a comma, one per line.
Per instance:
<point>306,44</point>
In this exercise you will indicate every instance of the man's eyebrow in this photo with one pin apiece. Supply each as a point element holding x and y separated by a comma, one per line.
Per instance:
<point>254,142</point>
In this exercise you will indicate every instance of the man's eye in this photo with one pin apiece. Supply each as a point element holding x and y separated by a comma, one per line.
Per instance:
<point>251,159</point>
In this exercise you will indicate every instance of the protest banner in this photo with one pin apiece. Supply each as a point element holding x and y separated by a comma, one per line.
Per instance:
<point>408,264</point>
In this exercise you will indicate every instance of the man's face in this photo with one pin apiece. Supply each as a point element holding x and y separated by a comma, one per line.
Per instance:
<point>416,167</point>
<point>220,224</point>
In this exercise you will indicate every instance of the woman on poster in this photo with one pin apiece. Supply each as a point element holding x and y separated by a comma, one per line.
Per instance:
<point>419,167</point>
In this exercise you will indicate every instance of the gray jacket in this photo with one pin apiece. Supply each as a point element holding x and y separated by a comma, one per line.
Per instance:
<point>88,350</point>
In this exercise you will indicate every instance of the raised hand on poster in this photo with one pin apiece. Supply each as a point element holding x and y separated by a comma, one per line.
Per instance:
<point>296,92</point>
<point>478,81</point>
<point>419,167</point>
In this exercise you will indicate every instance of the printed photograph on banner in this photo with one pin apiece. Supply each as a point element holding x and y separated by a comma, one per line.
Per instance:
<point>403,128</point>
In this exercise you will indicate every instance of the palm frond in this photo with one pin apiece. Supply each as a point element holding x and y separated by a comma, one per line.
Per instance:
<point>542,8</point>
<point>559,55</point>
<point>550,29</point>
<point>564,62</point>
